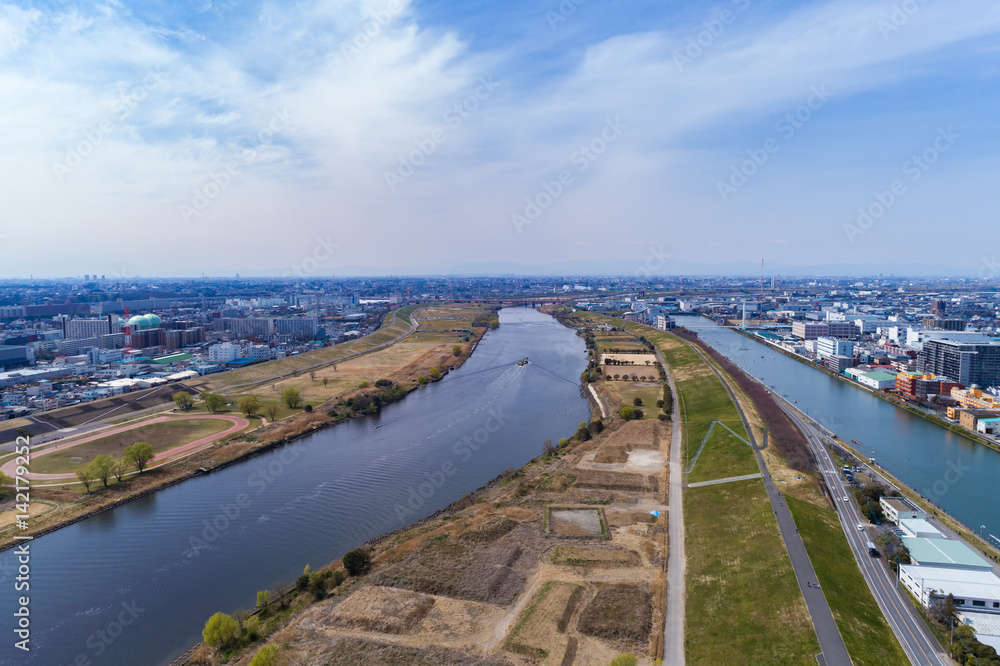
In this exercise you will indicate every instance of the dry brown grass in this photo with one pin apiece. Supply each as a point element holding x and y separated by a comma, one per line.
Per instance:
<point>594,557</point>
<point>541,632</point>
<point>383,609</point>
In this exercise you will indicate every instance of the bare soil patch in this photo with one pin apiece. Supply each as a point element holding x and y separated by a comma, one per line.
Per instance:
<point>594,557</point>
<point>576,522</point>
<point>355,652</point>
<point>619,613</point>
<point>540,633</point>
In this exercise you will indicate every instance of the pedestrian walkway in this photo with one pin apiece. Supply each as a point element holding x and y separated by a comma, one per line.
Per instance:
<point>730,479</point>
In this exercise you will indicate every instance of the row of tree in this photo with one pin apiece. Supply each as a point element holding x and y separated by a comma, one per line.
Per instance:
<point>103,467</point>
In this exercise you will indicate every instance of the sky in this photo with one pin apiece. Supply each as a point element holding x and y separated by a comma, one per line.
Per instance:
<point>318,138</point>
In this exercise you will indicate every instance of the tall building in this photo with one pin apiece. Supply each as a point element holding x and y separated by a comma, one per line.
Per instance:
<point>943,324</point>
<point>833,347</point>
<point>967,363</point>
<point>78,329</point>
<point>300,327</point>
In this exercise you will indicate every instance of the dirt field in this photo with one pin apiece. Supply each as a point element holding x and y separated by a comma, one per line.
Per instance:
<point>561,564</point>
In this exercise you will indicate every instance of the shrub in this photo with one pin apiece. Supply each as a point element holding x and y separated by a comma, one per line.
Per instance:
<point>597,426</point>
<point>627,659</point>
<point>308,408</point>
<point>423,380</point>
<point>269,655</point>
<point>627,412</point>
<point>357,562</point>
<point>220,630</point>
<point>637,402</point>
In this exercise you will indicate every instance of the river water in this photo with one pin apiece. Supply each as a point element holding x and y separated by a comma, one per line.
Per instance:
<point>135,585</point>
<point>952,471</point>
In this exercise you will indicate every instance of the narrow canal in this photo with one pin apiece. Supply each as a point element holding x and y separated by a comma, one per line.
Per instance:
<point>953,472</point>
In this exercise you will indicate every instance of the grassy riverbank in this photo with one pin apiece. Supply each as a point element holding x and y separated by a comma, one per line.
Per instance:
<point>58,504</point>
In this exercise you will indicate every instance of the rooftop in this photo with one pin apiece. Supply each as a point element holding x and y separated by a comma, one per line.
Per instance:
<point>963,583</point>
<point>945,552</point>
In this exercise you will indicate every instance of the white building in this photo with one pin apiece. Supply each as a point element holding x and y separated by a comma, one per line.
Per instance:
<point>918,527</point>
<point>897,508</point>
<point>833,347</point>
<point>225,352</point>
<point>257,352</point>
<point>973,590</point>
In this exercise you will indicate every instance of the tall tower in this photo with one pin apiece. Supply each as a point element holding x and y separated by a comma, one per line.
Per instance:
<point>127,330</point>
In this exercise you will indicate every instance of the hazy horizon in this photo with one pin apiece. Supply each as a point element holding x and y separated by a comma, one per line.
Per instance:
<point>392,137</point>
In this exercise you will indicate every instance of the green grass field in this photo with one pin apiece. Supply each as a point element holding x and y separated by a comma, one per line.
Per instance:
<point>628,391</point>
<point>162,436</point>
<point>743,603</point>
<point>866,633</point>
<point>723,456</point>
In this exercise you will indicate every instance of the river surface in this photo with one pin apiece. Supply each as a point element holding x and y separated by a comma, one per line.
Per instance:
<point>135,585</point>
<point>952,471</point>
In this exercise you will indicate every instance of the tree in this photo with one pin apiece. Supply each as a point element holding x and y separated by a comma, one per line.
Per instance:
<point>422,379</point>
<point>213,402</point>
<point>292,397</point>
<point>139,454</point>
<point>220,630</point>
<point>249,404</point>
<point>326,380</point>
<point>435,374</point>
<point>86,476</point>
<point>357,562</point>
<point>271,411</point>
<point>627,412</point>
<point>548,448</point>
<point>269,655</point>
<point>102,466</point>
<point>456,350</point>
<point>637,402</point>
<point>312,375</point>
<point>263,598</point>
<point>119,468</point>
<point>183,400</point>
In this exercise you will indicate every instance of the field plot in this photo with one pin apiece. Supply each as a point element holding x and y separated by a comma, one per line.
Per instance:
<point>541,632</point>
<point>647,392</point>
<point>594,557</point>
<point>383,609</point>
<point>576,522</point>
<point>724,456</point>
<point>869,639</point>
<point>742,597</point>
<point>163,436</point>
<point>619,613</point>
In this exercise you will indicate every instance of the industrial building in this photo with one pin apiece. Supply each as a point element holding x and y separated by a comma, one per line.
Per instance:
<point>833,347</point>
<point>898,508</point>
<point>945,553</point>
<point>973,590</point>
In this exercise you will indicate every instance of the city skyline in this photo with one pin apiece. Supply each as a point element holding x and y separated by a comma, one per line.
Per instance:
<point>365,138</point>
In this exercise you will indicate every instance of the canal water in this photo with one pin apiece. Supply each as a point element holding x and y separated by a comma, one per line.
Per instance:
<point>952,471</point>
<point>136,584</point>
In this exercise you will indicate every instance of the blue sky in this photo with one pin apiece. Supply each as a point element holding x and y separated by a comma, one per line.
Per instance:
<point>316,137</point>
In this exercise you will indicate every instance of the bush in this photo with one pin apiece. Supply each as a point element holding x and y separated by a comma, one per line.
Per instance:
<point>637,413</point>
<point>435,374</point>
<point>597,426</point>
<point>220,630</point>
<point>308,408</point>
<point>627,659</point>
<point>637,402</point>
<point>269,655</point>
<point>423,380</point>
<point>357,562</point>
<point>627,412</point>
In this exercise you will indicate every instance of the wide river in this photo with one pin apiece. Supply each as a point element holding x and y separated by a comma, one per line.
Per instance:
<point>952,471</point>
<point>135,585</point>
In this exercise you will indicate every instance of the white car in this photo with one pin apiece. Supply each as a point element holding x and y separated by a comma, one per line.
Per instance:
<point>845,498</point>
<point>861,527</point>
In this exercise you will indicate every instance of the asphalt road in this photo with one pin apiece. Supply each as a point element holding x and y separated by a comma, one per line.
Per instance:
<point>673,632</point>
<point>918,643</point>
<point>834,652</point>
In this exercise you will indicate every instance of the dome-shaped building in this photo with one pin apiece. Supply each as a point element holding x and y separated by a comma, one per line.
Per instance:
<point>140,322</point>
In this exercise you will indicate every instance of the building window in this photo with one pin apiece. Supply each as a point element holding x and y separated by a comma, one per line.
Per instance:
<point>959,602</point>
<point>996,604</point>
<point>981,604</point>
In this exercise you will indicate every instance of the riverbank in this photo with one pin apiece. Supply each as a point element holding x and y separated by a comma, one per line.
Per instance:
<point>72,506</point>
<point>933,418</point>
<point>564,556</point>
